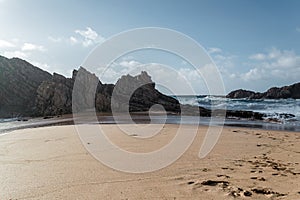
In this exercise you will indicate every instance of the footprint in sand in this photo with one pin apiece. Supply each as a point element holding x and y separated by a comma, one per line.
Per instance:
<point>191,182</point>
<point>215,183</point>
<point>221,175</point>
<point>267,192</point>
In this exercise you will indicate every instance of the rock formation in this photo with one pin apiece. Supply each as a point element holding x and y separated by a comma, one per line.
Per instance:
<point>54,96</point>
<point>134,94</point>
<point>292,91</point>
<point>29,91</point>
<point>26,90</point>
<point>19,81</point>
<point>239,94</point>
<point>139,94</point>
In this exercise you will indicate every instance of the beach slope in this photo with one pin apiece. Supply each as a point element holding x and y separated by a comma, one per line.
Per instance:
<point>51,163</point>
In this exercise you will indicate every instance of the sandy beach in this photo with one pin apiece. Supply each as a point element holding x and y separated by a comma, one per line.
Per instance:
<point>51,163</point>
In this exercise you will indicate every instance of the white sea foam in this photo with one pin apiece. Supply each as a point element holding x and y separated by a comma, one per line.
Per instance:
<point>285,110</point>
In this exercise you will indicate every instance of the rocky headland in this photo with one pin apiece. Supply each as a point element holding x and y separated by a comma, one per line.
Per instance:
<point>19,81</point>
<point>291,91</point>
<point>27,91</point>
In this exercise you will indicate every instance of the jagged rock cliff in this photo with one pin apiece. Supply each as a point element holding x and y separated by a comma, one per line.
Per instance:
<point>26,90</point>
<point>54,97</point>
<point>292,91</point>
<point>19,81</point>
<point>141,94</point>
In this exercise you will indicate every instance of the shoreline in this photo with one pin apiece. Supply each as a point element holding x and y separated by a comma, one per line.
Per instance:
<point>142,117</point>
<point>51,162</point>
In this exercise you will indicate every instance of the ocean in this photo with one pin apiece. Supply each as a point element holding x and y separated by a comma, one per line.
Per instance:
<point>280,114</point>
<point>286,111</point>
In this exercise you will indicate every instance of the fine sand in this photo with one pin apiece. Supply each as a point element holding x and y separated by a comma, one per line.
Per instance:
<point>52,163</point>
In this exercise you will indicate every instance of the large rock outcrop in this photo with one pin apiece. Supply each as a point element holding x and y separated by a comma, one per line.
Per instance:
<point>292,91</point>
<point>240,94</point>
<point>134,94</point>
<point>26,90</point>
<point>138,93</point>
<point>19,81</point>
<point>54,97</point>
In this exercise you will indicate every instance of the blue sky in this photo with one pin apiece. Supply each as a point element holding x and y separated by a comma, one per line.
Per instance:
<point>255,44</point>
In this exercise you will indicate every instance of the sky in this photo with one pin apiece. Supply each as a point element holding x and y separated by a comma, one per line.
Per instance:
<point>255,44</point>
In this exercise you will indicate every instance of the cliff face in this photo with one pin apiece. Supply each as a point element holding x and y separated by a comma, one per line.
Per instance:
<point>141,94</point>
<point>26,90</point>
<point>292,91</point>
<point>19,81</point>
<point>54,97</point>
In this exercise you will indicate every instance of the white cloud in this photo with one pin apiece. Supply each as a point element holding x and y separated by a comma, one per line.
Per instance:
<point>88,37</point>
<point>43,66</point>
<point>112,73</point>
<point>32,47</point>
<point>272,67</point>
<point>51,67</point>
<point>15,54</point>
<point>298,29</point>
<point>214,50</point>
<point>87,43</point>
<point>224,61</point>
<point>6,44</point>
<point>182,80</point>
<point>273,53</point>
<point>189,74</point>
<point>276,64</point>
<point>258,56</point>
<point>88,33</point>
<point>73,40</point>
<point>254,74</point>
<point>262,70</point>
<point>129,63</point>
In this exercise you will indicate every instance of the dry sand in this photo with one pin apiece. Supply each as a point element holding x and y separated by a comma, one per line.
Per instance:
<point>51,163</point>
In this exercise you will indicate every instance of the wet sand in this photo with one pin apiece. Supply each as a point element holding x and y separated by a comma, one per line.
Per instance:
<point>51,163</point>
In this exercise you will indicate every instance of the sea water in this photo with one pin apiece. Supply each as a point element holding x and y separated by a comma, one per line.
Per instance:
<point>280,114</point>
<point>283,110</point>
